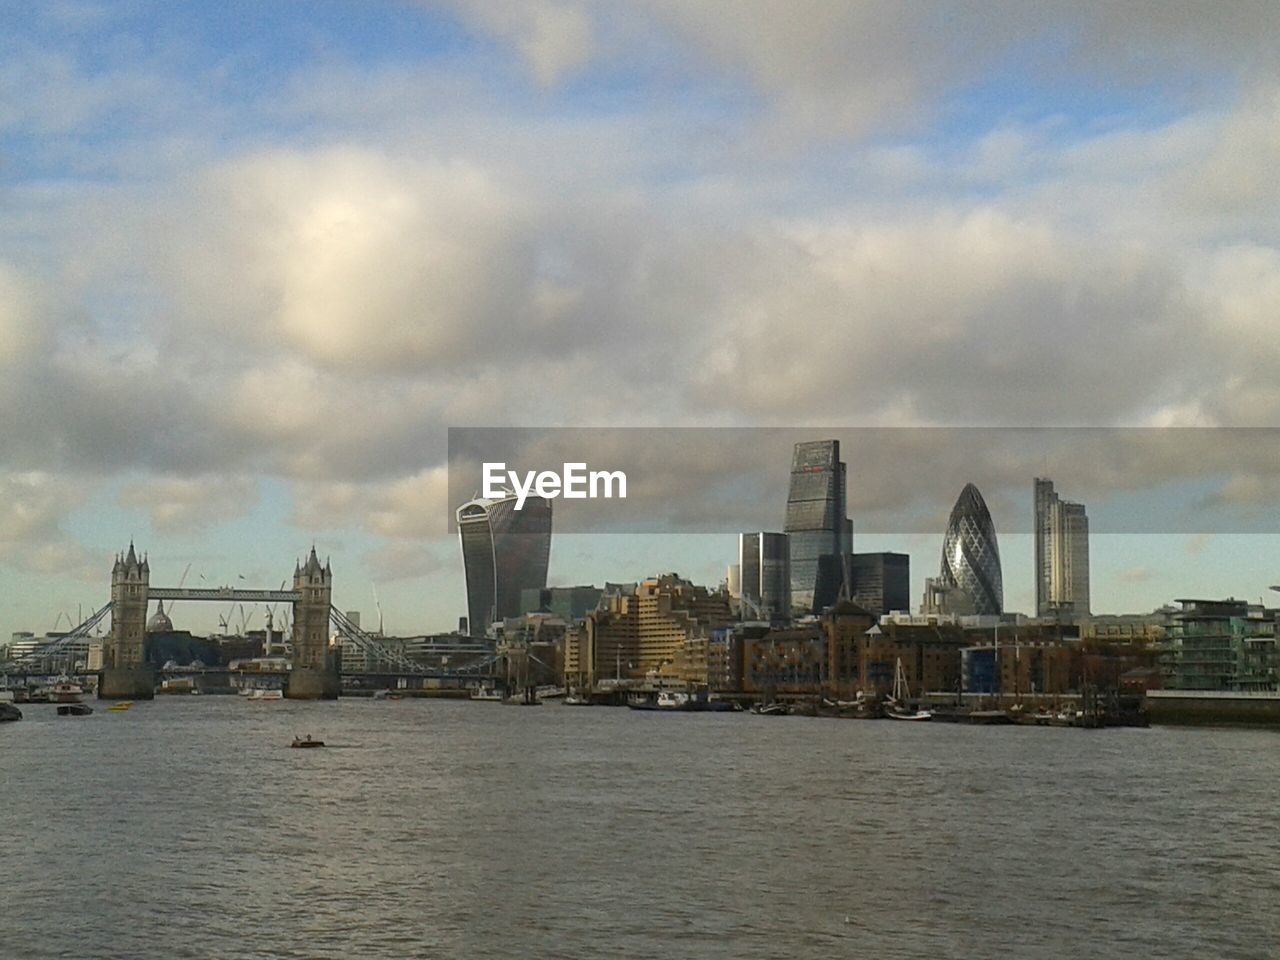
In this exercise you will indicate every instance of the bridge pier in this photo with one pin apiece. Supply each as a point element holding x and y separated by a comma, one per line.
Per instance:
<point>310,683</point>
<point>127,683</point>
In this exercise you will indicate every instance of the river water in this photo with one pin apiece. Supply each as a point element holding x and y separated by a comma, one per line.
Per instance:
<point>187,828</point>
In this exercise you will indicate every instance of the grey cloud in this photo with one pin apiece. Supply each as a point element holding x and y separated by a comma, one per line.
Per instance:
<point>857,67</point>
<point>189,505</point>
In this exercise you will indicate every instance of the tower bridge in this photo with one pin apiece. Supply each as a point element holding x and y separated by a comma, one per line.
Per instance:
<point>313,672</point>
<point>127,676</point>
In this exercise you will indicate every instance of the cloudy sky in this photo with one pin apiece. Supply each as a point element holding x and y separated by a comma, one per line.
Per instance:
<point>257,257</point>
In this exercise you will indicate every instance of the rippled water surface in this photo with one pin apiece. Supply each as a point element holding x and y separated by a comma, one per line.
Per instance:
<point>187,828</point>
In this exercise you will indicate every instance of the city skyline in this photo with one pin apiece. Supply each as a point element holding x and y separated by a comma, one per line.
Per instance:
<point>252,269</point>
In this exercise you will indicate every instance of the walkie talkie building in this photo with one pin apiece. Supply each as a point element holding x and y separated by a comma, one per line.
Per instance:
<point>504,551</point>
<point>970,554</point>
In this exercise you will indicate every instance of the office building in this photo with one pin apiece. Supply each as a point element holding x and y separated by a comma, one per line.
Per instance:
<point>660,629</point>
<point>881,581</point>
<point>970,578</point>
<point>504,551</point>
<point>764,565</point>
<point>567,603</point>
<point>818,524</point>
<point>1062,554</point>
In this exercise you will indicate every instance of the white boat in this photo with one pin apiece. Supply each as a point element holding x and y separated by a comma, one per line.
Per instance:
<point>671,700</point>
<point>65,691</point>
<point>486,693</point>
<point>897,708</point>
<point>258,696</point>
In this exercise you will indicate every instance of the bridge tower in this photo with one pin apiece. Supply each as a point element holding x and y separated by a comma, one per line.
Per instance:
<point>314,674</point>
<point>126,675</point>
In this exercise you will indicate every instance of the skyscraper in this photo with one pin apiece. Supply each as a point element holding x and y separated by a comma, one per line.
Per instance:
<point>764,564</point>
<point>818,525</point>
<point>1062,554</point>
<point>971,557</point>
<point>881,581</point>
<point>504,551</point>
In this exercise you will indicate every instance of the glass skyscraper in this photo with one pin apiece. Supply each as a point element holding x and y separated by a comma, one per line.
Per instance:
<point>971,556</point>
<point>764,564</point>
<point>504,551</point>
<point>818,525</point>
<point>1062,554</point>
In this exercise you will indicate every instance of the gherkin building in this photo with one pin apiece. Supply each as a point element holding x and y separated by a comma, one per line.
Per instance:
<point>970,555</point>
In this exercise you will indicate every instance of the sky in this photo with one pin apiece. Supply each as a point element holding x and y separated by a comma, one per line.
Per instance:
<point>256,258</point>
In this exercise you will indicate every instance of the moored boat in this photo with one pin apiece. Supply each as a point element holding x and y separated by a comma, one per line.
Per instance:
<point>74,710</point>
<point>9,713</point>
<point>64,690</point>
<point>775,709</point>
<point>897,708</point>
<point>989,717</point>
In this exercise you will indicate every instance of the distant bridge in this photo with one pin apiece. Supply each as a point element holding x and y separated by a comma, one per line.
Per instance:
<point>479,655</point>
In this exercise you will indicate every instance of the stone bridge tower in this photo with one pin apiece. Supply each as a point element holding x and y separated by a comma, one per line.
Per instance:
<point>313,675</point>
<point>126,675</point>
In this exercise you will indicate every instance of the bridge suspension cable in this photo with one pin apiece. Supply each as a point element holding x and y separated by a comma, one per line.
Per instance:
<point>54,647</point>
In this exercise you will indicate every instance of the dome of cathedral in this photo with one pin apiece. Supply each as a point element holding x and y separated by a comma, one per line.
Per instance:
<point>160,622</point>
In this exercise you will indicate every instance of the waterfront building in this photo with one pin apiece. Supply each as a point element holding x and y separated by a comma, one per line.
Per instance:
<point>1132,628</point>
<point>970,574</point>
<point>1061,554</point>
<point>1221,645</point>
<point>504,551</point>
<point>789,661</point>
<point>881,582</point>
<point>818,524</point>
<point>764,565</point>
<point>659,630</point>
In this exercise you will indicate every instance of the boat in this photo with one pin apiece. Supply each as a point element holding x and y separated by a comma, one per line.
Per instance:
<point>381,694</point>
<point>858,709</point>
<point>9,713</point>
<point>667,700</point>
<point>486,693</point>
<point>303,743</point>
<point>575,700</point>
<point>65,691</point>
<point>671,700</point>
<point>775,709</point>
<point>897,708</point>
<point>74,710</point>
<point>260,695</point>
<point>989,717</point>
<point>120,707</point>
<point>719,706</point>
